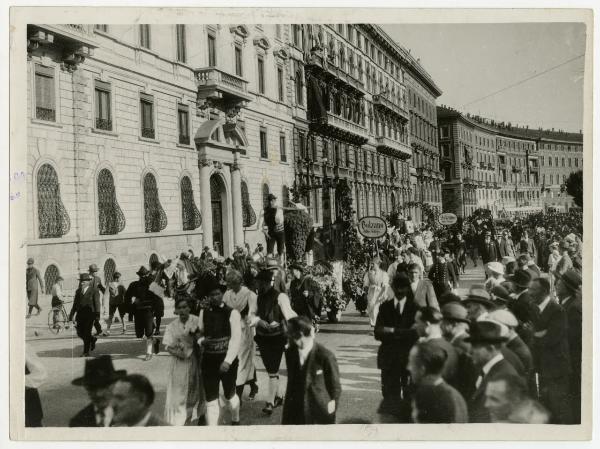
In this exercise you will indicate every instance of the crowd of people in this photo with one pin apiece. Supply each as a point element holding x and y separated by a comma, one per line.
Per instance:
<point>509,351</point>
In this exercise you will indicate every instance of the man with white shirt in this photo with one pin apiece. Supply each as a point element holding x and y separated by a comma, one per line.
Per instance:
<point>86,309</point>
<point>132,398</point>
<point>486,338</point>
<point>98,379</point>
<point>551,353</point>
<point>221,333</point>
<point>395,330</point>
<point>313,387</point>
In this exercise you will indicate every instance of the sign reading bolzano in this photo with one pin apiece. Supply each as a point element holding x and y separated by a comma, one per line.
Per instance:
<point>372,227</point>
<point>447,219</point>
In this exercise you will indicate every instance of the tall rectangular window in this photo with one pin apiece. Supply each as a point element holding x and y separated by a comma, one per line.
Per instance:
<point>280,89</point>
<point>145,36</point>
<point>264,153</point>
<point>301,145</point>
<point>147,115</point>
<point>181,49</point>
<point>282,151</point>
<point>238,60</point>
<point>183,123</point>
<point>313,148</point>
<point>212,50</point>
<point>103,118</point>
<point>45,98</point>
<point>261,75</point>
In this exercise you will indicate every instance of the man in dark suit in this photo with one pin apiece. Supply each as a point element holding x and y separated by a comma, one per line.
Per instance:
<point>96,283</point>
<point>434,400</point>
<point>99,375</point>
<point>428,324</point>
<point>489,249</point>
<point>551,353</point>
<point>569,296</point>
<point>132,399</point>
<point>394,328</point>
<point>522,305</point>
<point>313,387</point>
<point>527,246</point>
<point>486,338</point>
<point>86,307</point>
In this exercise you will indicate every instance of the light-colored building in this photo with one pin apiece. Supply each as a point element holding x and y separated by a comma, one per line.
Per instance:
<point>352,117</point>
<point>507,169</point>
<point>147,140</point>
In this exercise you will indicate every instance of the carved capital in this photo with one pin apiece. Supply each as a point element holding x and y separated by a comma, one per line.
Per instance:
<point>205,163</point>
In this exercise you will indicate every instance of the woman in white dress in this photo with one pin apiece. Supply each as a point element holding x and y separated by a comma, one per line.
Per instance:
<point>242,299</point>
<point>375,282</point>
<point>185,395</point>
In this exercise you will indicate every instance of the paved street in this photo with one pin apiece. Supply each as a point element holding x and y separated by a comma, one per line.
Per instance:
<point>350,340</point>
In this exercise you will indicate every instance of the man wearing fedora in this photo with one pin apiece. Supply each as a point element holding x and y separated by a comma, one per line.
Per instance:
<point>568,291</point>
<point>489,249</point>
<point>139,296</point>
<point>98,377</point>
<point>522,305</point>
<point>305,295</point>
<point>86,308</point>
<point>478,304</point>
<point>486,339</point>
<point>551,353</point>
<point>220,334</point>
<point>455,329</point>
<point>279,276</point>
<point>96,284</point>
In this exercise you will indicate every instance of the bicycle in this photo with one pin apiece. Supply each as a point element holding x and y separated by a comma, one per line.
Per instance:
<point>58,318</point>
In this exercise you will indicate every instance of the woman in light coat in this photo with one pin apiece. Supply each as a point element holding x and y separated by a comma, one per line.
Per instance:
<point>375,282</point>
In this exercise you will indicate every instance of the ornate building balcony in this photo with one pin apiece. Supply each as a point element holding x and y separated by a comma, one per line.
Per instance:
<point>316,63</point>
<point>390,147</point>
<point>76,41</point>
<point>217,88</point>
<point>387,106</point>
<point>341,129</point>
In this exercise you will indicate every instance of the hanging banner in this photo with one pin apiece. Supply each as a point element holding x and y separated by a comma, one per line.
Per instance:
<point>447,219</point>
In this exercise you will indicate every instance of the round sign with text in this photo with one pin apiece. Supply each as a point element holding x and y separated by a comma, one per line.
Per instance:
<point>447,219</point>
<point>372,227</point>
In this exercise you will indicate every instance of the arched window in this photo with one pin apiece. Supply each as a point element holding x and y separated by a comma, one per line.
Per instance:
<point>110,267</point>
<point>154,215</point>
<point>248,215</point>
<point>265,194</point>
<point>189,212</point>
<point>110,216</point>
<point>50,276</point>
<point>53,219</point>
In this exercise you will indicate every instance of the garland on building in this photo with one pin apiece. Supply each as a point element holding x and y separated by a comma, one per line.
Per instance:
<point>298,225</point>
<point>430,213</point>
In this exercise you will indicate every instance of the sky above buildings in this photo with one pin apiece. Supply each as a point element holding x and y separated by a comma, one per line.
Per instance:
<point>472,61</point>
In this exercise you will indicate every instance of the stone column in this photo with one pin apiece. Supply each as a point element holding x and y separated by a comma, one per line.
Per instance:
<point>236,202</point>
<point>205,167</point>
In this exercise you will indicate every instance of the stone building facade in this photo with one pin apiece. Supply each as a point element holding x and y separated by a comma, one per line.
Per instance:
<point>147,140</point>
<point>501,167</point>
<point>352,118</point>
